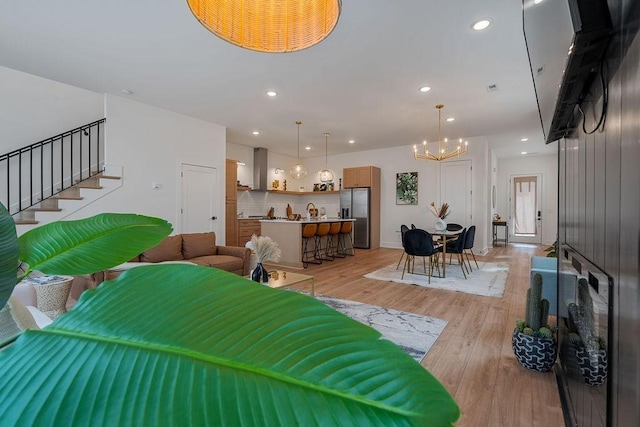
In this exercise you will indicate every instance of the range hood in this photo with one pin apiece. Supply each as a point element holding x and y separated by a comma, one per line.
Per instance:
<point>260,169</point>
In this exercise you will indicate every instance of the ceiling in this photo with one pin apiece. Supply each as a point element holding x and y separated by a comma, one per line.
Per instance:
<point>360,83</point>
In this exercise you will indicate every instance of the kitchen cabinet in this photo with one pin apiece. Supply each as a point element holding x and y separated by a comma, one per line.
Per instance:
<point>358,177</point>
<point>246,229</point>
<point>231,203</point>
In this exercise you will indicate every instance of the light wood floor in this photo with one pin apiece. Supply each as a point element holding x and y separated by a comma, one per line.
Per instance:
<point>472,357</point>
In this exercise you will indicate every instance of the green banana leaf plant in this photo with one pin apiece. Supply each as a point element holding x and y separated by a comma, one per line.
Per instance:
<point>182,345</point>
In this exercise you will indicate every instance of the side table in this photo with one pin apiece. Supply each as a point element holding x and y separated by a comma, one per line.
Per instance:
<point>497,224</point>
<point>52,293</point>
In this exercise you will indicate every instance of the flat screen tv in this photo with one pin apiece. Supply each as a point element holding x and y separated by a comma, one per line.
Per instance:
<point>566,41</point>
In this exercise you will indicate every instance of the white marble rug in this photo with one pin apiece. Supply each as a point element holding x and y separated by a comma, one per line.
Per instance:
<point>488,281</point>
<point>412,332</point>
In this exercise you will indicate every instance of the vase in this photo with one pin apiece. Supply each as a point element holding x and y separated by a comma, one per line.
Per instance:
<point>534,353</point>
<point>593,365</point>
<point>440,225</point>
<point>260,274</point>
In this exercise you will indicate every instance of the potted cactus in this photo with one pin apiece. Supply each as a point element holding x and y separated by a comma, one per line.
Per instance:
<point>533,340</point>
<point>589,353</point>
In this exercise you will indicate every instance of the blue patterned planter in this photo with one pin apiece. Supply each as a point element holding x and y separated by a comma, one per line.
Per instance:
<point>593,365</point>
<point>534,353</point>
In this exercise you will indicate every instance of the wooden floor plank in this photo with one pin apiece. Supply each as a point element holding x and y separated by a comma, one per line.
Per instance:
<point>472,357</point>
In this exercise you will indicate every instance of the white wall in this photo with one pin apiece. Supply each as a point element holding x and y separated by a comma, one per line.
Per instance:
<point>151,144</point>
<point>33,108</point>
<point>548,167</point>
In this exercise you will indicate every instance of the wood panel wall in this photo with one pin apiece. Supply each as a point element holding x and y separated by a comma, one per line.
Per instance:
<point>599,209</point>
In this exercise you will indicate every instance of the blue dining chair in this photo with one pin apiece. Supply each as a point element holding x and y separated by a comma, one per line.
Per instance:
<point>457,247</point>
<point>419,242</point>
<point>403,229</point>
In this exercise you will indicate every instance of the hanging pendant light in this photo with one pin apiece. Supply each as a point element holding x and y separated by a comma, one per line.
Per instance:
<point>298,171</point>
<point>326,175</point>
<point>272,26</point>
<point>442,151</point>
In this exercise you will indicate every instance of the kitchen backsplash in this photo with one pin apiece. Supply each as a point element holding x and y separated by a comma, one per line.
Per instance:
<point>258,203</point>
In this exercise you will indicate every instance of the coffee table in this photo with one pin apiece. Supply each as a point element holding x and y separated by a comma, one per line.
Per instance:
<point>281,279</point>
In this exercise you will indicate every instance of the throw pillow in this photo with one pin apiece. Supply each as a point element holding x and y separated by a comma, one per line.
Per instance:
<point>198,244</point>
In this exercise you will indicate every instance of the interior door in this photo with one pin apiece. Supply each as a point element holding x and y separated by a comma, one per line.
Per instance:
<point>199,207</point>
<point>455,189</point>
<point>525,209</point>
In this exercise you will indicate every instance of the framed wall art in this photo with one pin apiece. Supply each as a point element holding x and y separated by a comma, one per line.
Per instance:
<point>407,188</point>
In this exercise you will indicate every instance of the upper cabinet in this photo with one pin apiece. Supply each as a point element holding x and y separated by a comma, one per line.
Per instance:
<point>357,177</point>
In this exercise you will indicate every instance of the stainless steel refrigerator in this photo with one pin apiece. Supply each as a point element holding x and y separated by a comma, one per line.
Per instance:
<point>355,203</point>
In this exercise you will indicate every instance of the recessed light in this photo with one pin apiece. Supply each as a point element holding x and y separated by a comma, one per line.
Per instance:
<point>450,119</point>
<point>537,1</point>
<point>255,132</point>
<point>524,139</point>
<point>351,141</point>
<point>523,152</point>
<point>481,25</point>
<point>307,148</point>
<point>271,93</point>
<point>126,92</point>
<point>425,89</point>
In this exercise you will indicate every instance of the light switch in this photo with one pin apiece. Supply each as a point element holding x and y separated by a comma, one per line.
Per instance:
<point>155,185</point>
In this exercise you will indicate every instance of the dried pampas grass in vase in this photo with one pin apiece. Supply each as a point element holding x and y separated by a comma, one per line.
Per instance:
<point>266,250</point>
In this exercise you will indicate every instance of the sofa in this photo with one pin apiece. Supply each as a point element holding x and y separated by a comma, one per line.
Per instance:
<point>194,248</point>
<point>547,267</point>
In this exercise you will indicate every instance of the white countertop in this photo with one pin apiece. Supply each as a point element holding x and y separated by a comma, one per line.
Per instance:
<point>305,221</point>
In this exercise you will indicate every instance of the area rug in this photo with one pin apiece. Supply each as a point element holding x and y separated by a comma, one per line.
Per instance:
<point>413,333</point>
<point>488,281</point>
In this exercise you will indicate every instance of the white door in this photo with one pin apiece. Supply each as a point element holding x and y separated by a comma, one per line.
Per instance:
<point>525,209</point>
<point>199,208</point>
<point>455,189</point>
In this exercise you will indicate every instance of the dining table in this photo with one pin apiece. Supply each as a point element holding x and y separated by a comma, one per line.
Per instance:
<point>444,236</point>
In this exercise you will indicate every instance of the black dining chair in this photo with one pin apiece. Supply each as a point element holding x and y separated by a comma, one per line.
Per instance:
<point>403,229</point>
<point>419,242</point>
<point>457,247</point>
<point>468,245</point>
<point>454,227</point>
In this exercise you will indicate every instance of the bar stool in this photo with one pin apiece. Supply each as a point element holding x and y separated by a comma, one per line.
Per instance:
<point>332,240</point>
<point>308,233</point>
<point>343,237</point>
<point>321,233</point>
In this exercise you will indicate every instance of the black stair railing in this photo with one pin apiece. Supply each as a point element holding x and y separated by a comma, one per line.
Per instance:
<point>39,171</point>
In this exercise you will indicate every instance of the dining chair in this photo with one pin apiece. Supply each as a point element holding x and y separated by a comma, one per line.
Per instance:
<point>419,242</point>
<point>457,247</point>
<point>403,229</point>
<point>468,245</point>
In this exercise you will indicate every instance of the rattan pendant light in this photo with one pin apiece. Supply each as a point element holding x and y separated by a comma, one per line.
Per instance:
<point>274,26</point>
<point>298,171</point>
<point>326,175</point>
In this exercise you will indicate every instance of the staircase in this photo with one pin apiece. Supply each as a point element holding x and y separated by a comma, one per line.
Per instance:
<point>53,178</point>
<point>69,200</point>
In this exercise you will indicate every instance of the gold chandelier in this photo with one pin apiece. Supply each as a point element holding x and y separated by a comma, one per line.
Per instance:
<point>274,26</point>
<point>443,152</point>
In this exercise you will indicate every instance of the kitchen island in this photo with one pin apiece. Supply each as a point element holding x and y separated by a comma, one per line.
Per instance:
<point>288,235</point>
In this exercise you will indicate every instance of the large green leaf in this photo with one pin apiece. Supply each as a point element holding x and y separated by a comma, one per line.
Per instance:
<point>91,244</point>
<point>8,255</point>
<point>187,345</point>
